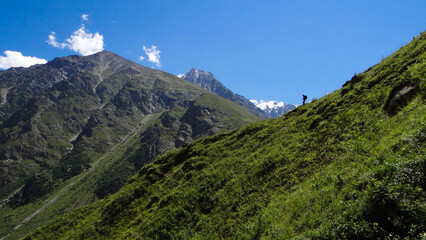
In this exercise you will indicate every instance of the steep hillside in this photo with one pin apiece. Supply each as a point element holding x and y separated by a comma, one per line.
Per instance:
<point>350,165</point>
<point>67,129</point>
<point>207,81</point>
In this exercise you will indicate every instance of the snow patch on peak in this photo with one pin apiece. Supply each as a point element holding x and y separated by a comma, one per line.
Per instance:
<point>180,75</point>
<point>270,104</point>
<point>255,102</point>
<point>273,108</point>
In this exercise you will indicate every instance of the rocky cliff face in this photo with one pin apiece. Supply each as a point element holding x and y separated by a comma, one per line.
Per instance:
<point>207,81</point>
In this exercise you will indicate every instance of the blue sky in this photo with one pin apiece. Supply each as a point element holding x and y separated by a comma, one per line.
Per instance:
<point>270,50</point>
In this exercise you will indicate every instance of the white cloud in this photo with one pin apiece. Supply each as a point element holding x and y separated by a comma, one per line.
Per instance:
<point>52,41</point>
<point>153,55</point>
<point>81,41</point>
<point>85,43</point>
<point>180,75</point>
<point>85,17</point>
<point>141,58</point>
<point>16,59</point>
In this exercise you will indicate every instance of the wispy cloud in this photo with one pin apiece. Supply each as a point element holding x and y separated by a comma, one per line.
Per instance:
<point>52,41</point>
<point>81,41</point>
<point>141,58</point>
<point>153,55</point>
<point>85,17</point>
<point>16,59</point>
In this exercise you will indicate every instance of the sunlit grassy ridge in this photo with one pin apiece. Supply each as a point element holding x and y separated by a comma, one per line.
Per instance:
<point>350,165</point>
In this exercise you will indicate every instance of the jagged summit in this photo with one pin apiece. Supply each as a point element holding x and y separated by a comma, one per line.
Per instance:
<point>109,56</point>
<point>103,57</point>
<point>207,81</point>
<point>201,78</point>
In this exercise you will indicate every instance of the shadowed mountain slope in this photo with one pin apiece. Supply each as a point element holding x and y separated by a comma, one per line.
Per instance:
<point>350,165</point>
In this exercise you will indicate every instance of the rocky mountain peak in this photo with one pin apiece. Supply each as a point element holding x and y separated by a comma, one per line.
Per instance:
<point>106,55</point>
<point>199,77</point>
<point>207,81</point>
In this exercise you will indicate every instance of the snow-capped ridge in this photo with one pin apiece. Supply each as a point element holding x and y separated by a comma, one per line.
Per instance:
<point>264,105</point>
<point>273,108</point>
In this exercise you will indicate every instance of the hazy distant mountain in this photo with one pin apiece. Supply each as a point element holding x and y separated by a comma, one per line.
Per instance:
<point>91,122</point>
<point>273,108</point>
<point>207,81</point>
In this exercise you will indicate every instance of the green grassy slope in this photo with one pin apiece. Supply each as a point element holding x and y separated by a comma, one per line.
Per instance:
<point>350,165</point>
<point>237,115</point>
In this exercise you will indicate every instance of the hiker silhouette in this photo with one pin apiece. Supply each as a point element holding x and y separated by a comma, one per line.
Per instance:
<point>304,98</point>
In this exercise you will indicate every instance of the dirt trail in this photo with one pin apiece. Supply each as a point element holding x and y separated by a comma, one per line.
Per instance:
<point>102,67</point>
<point>64,189</point>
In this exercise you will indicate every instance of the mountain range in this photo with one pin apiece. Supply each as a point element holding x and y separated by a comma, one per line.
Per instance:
<point>73,130</point>
<point>350,165</point>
